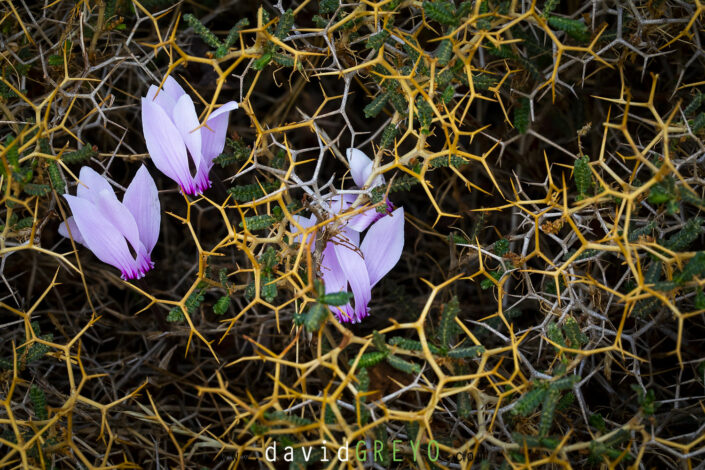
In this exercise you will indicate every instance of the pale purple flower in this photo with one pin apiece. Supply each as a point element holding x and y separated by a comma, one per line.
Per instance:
<point>348,263</point>
<point>105,225</point>
<point>172,133</point>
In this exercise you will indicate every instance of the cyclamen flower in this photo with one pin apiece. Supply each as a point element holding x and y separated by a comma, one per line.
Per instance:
<point>105,225</point>
<point>172,133</point>
<point>346,261</point>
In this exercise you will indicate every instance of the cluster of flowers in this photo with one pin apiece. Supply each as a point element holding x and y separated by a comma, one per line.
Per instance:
<point>123,234</point>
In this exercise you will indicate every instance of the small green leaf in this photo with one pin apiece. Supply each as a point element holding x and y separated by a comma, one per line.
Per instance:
<point>336,299</point>
<point>315,316</point>
<point>222,304</point>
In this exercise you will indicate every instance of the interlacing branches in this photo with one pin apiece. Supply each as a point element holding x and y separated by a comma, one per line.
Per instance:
<point>547,309</point>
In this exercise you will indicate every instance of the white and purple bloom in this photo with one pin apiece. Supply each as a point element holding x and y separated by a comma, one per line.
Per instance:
<point>346,261</point>
<point>105,225</point>
<point>172,133</point>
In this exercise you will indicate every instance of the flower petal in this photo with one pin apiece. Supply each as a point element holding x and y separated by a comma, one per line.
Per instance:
<point>173,89</point>
<point>165,145</point>
<point>361,168</point>
<point>305,223</point>
<point>91,184</point>
<point>335,281</point>
<point>142,200</point>
<point>353,266</point>
<point>161,98</point>
<point>383,245</point>
<point>359,222</point>
<point>75,232</point>
<point>102,238</point>
<point>214,133</point>
<point>122,219</point>
<point>186,121</point>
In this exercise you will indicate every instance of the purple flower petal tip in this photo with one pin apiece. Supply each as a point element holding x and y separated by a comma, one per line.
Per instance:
<point>347,263</point>
<point>111,229</point>
<point>174,136</point>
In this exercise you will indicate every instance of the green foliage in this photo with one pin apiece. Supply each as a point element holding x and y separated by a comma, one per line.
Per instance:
<point>37,189</point>
<point>328,6</point>
<point>378,341</point>
<point>448,94</point>
<point>286,22</point>
<point>376,106</point>
<point>263,61</point>
<point>192,303</point>
<point>694,104</point>
<point>282,416</point>
<point>576,338</point>
<point>441,11</point>
<point>466,352</point>
<point>694,267</point>
<point>548,410</point>
<point>647,400</point>
<point>81,155</point>
<point>642,231</point>
<point>55,60</point>
<point>583,177</point>
<point>55,177</point>
<point>447,327</point>
<point>336,298</point>
<point>388,135</point>
<point>448,160</point>
<point>376,40</point>
<point>574,28</point>
<point>444,52</point>
<point>487,282</point>
<point>598,422</point>
<point>521,115</point>
<point>39,402</point>
<point>251,192</point>
<point>464,405</point>
<point>315,316</point>
<point>235,151</point>
<point>413,345</point>
<point>200,29</point>
<point>424,113</point>
<point>370,359</point>
<point>685,236</point>
<point>398,101</point>
<point>28,354</point>
<point>531,400</point>
<point>535,441</point>
<point>501,247</point>
<point>221,305</point>
<point>402,365</point>
<point>230,39</point>
<point>258,222</point>
<point>549,6</point>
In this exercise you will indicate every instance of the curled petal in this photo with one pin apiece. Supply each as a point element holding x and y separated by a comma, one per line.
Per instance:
<point>383,245</point>
<point>214,131</point>
<point>358,222</point>
<point>166,146</point>
<point>91,185</point>
<point>121,218</point>
<point>162,99</point>
<point>335,281</point>
<point>353,266</point>
<point>75,232</point>
<point>173,89</point>
<point>186,121</point>
<point>361,167</point>
<point>305,223</point>
<point>102,238</point>
<point>142,200</point>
